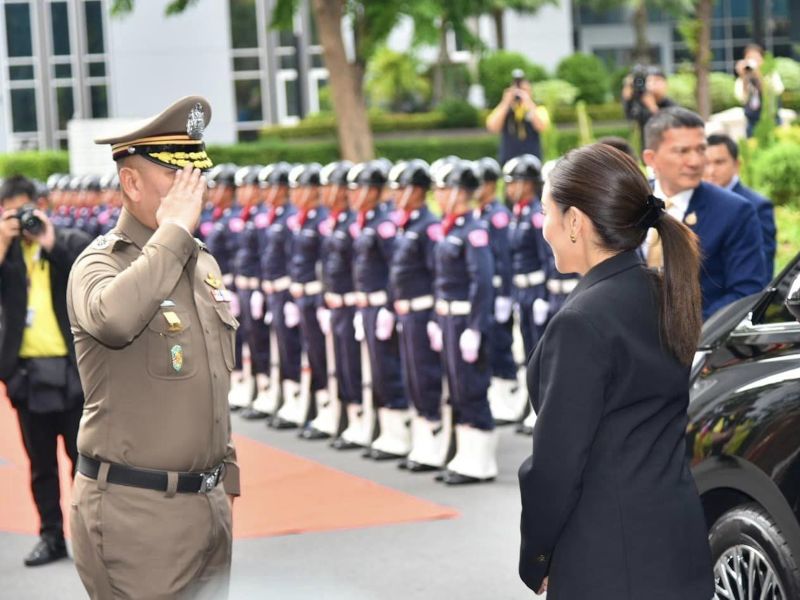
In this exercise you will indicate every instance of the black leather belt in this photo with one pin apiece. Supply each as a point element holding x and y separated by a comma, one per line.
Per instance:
<point>188,483</point>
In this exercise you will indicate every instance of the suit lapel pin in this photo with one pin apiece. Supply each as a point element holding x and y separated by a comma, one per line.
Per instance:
<point>691,219</point>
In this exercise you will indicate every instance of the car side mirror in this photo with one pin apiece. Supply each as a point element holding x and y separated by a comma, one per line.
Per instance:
<point>793,299</point>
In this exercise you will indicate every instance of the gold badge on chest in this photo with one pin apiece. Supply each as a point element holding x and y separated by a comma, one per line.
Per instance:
<point>213,281</point>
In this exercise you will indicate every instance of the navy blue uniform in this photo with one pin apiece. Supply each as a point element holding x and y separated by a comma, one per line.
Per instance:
<point>308,228</point>
<point>275,241</point>
<point>559,286</point>
<point>411,277</point>
<point>337,277</point>
<point>501,336</point>
<point>528,263</point>
<point>464,275</point>
<point>107,218</point>
<point>766,216</point>
<point>372,256</point>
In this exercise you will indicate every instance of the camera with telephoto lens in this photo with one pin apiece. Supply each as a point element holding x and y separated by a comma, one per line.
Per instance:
<point>638,112</point>
<point>28,221</point>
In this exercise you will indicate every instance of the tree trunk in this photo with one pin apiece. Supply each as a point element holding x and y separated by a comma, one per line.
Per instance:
<point>438,69</point>
<point>499,28</point>
<point>703,58</point>
<point>347,92</point>
<point>641,50</point>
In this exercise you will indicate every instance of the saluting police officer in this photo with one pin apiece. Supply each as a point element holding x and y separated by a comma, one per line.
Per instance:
<point>154,336</point>
<point>411,276</point>
<point>276,245</point>
<point>374,246</point>
<point>464,298</point>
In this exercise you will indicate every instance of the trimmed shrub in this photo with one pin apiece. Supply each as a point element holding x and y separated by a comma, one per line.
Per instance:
<point>33,164</point>
<point>611,111</point>
<point>555,92</point>
<point>494,73</point>
<point>682,88</point>
<point>457,113</point>
<point>587,73</point>
<point>775,173</point>
<point>393,81</point>
<point>789,70</point>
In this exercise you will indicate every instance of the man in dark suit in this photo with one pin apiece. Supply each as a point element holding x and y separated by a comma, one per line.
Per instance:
<point>37,356</point>
<point>726,224</point>
<point>722,169</point>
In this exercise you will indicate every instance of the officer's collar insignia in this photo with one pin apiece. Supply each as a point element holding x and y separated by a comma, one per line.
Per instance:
<point>196,122</point>
<point>414,214</point>
<point>370,214</point>
<point>176,355</point>
<point>691,219</point>
<point>101,243</point>
<point>460,221</point>
<point>312,213</point>
<point>213,281</point>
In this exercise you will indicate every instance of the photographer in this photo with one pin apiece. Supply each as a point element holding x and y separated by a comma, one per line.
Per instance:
<point>749,86</point>
<point>37,358</point>
<point>644,93</point>
<point>518,120</point>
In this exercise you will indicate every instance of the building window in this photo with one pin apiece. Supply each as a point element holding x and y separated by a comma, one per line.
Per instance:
<point>23,110</point>
<point>19,40</point>
<point>59,28</point>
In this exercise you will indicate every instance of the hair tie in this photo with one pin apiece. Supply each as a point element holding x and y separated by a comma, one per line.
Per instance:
<point>653,214</point>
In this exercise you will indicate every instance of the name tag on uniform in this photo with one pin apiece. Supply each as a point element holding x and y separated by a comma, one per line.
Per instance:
<point>221,295</point>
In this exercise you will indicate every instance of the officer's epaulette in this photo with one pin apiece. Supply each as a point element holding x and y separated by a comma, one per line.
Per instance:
<point>110,240</point>
<point>202,245</point>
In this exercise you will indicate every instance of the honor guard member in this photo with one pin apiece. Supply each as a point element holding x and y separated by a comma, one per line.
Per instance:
<point>276,245</point>
<point>109,203</point>
<point>154,336</point>
<point>528,249</point>
<point>464,297</point>
<point>337,314</point>
<point>505,388</point>
<point>247,279</point>
<point>308,226</point>
<point>387,193</point>
<point>374,245</point>
<point>411,277</point>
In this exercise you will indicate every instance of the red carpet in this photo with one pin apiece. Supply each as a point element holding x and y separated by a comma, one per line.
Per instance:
<point>282,493</point>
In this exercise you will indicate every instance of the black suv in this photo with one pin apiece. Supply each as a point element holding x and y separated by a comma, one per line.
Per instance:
<point>744,441</point>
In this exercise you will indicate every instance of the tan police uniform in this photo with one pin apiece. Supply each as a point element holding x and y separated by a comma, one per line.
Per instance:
<point>154,338</point>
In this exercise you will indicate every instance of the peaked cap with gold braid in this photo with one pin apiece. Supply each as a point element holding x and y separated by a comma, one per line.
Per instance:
<point>172,138</point>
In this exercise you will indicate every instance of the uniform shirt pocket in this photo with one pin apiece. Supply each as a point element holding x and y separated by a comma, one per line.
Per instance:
<point>170,350</point>
<point>227,335</point>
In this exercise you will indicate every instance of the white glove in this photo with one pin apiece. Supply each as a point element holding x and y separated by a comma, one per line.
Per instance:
<point>291,315</point>
<point>502,309</point>
<point>469,343</point>
<point>324,320</point>
<point>435,336</point>
<point>235,307</point>
<point>541,308</point>
<point>358,325</point>
<point>384,324</point>
<point>257,305</point>
<point>268,318</point>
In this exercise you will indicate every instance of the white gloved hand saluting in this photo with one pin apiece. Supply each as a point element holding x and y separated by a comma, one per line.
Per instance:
<point>384,324</point>
<point>502,309</point>
<point>291,315</point>
<point>541,308</point>
<point>435,336</point>
<point>358,325</point>
<point>469,343</point>
<point>324,320</point>
<point>257,305</point>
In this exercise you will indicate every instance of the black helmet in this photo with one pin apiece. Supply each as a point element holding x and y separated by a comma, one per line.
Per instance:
<point>438,165</point>
<point>247,175</point>
<point>416,172</point>
<point>52,181</point>
<point>110,181</point>
<point>223,175</point>
<point>91,183</point>
<point>64,183</point>
<point>335,173</point>
<point>461,174</point>
<point>370,173</point>
<point>395,174</point>
<point>488,169</point>
<point>274,174</point>
<point>302,175</point>
<point>525,167</point>
<point>385,164</point>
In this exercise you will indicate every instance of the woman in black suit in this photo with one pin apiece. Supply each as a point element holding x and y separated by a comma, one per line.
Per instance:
<point>610,510</point>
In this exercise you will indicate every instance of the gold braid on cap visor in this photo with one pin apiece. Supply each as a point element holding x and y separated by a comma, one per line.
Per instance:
<point>173,151</point>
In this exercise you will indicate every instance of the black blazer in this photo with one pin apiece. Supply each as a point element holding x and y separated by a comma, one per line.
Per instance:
<point>609,507</point>
<point>14,294</point>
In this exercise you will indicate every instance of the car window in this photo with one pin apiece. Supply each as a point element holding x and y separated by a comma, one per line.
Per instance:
<point>776,312</point>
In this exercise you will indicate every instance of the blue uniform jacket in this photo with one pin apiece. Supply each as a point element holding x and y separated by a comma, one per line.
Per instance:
<point>307,249</point>
<point>247,261</point>
<point>766,216</point>
<point>414,263</point>
<point>464,269</point>
<point>337,254</point>
<point>373,251</point>
<point>528,248</point>
<point>275,242</point>
<point>498,218</point>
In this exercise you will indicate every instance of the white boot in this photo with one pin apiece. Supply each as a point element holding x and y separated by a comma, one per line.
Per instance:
<point>241,392</point>
<point>527,424</point>
<point>507,399</point>
<point>328,410</point>
<point>395,437</point>
<point>267,396</point>
<point>295,403</point>
<point>476,454</point>
<point>359,430</point>
<point>428,442</point>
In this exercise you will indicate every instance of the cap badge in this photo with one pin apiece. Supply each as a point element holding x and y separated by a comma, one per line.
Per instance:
<point>196,122</point>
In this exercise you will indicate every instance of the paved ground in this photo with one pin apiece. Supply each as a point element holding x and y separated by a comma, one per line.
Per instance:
<point>472,557</point>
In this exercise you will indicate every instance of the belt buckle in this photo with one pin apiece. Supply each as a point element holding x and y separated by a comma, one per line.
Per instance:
<point>209,481</point>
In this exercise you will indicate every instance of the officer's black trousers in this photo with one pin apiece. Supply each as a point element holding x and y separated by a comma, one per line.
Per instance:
<point>40,433</point>
<point>422,367</point>
<point>256,335</point>
<point>501,339</point>
<point>384,363</point>
<point>288,338</point>
<point>531,333</point>
<point>347,355</point>
<point>314,341</point>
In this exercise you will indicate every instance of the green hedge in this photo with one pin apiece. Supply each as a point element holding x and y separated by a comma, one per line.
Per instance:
<point>38,165</point>
<point>775,173</point>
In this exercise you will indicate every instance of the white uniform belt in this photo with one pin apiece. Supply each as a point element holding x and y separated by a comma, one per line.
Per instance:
<point>312,288</point>
<point>561,286</point>
<point>403,307</point>
<point>280,284</point>
<point>455,307</point>
<point>526,280</point>
<point>497,281</point>
<point>379,298</point>
<point>339,300</point>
